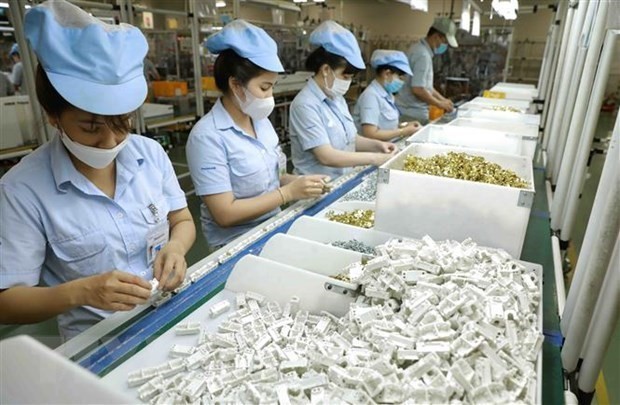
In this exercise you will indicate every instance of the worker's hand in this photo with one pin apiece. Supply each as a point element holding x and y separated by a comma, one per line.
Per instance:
<point>304,187</point>
<point>170,266</point>
<point>113,291</point>
<point>447,106</point>
<point>411,128</point>
<point>381,158</point>
<point>385,147</point>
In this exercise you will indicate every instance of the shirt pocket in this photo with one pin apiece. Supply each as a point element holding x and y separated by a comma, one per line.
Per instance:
<point>82,255</point>
<point>248,178</point>
<point>388,112</point>
<point>156,211</point>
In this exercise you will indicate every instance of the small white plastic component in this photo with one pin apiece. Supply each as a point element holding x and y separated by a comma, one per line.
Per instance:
<point>219,308</point>
<point>181,351</point>
<point>188,328</point>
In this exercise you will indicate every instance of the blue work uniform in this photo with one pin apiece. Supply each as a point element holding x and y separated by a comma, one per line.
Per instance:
<point>222,158</point>
<point>421,61</point>
<point>316,120</point>
<point>376,106</point>
<point>57,226</point>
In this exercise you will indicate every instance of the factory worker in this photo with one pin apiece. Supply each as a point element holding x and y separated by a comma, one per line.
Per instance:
<point>17,72</point>
<point>91,216</point>
<point>375,112</point>
<point>323,135</point>
<point>236,164</point>
<point>419,93</point>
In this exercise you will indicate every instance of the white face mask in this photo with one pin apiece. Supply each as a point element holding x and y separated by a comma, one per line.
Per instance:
<point>256,108</point>
<point>339,87</point>
<point>97,158</point>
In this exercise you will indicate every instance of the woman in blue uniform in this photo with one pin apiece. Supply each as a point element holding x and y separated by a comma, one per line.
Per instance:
<point>236,164</point>
<point>323,135</point>
<point>93,214</point>
<point>375,112</point>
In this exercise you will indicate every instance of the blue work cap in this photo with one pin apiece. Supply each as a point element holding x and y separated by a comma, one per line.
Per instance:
<point>248,41</point>
<point>14,50</point>
<point>96,67</point>
<point>338,40</point>
<point>397,59</point>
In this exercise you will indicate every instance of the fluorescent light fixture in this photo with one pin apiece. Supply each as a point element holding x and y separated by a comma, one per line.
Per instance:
<point>475,28</point>
<point>421,5</point>
<point>300,1</point>
<point>4,5</point>
<point>465,16</point>
<point>319,1</point>
<point>220,3</point>
<point>506,9</point>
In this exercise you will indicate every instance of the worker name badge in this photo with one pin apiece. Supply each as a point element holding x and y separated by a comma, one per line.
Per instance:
<point>157,236</point>
<point>156,239</point>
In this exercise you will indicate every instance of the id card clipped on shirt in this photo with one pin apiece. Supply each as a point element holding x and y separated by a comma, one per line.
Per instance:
<point>157,236</point>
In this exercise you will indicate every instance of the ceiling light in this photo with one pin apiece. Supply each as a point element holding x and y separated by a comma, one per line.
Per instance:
<point>506,9</point>
<point>300,1</point>
<point>4,5</point>
<point>220,3</point>
<point>475,28</point>
<point>465,16</point>
<point>319,1</point>
<point>421,5</point>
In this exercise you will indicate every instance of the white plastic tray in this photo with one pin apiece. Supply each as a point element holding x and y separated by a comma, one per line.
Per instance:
<point>504,116</point>
<point>413,204</point>
<point>474,138</point>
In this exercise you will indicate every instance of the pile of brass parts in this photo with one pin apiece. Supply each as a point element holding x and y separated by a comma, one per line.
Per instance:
<point>361,218</point>
<point>506,108</point>
<point>464,167</point>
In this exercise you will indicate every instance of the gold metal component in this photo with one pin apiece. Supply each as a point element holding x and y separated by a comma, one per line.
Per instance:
<point>361,218</point>
<point>342,277</point>
<point>465,167</point>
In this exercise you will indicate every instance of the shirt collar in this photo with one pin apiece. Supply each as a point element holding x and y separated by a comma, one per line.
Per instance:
<point>428,47</point>
<point>223,121</point>
<point>316,90</point>
<point>380,90</point>
<point>64,171</point>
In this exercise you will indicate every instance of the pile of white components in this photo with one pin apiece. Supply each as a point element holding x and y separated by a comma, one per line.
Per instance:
<point>436,322</point>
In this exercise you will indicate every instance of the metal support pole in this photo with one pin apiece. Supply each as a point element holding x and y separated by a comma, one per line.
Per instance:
<point>550,107</point>
<point>580,161</point>
<point>570,106</point>
<point>543,78</point>
<point>606,314</point>
<point>195,30</point>
<point>565,178</point>
<point>566,84</point>
<point>29,60</point>
<point>592,268</point>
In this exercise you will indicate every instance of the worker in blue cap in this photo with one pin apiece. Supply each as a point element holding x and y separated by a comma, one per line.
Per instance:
<point>420,93</point>
<point>237,166</point>
<point>323,135</point>
<point>375,112</point>
<point>91,216</point>
<point>17,72</point>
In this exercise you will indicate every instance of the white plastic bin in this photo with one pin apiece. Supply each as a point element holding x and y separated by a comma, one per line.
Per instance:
<point>508,118</point>
<point>413,204</point>
<point>474,138</point>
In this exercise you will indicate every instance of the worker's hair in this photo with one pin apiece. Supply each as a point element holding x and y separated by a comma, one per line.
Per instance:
<point>229,64</point>
<point>54,104</point>
<point>432,31</point>
<point>383,68</point>
<point>320,57</point>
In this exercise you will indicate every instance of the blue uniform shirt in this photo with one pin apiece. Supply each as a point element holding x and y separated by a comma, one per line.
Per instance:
<point>223,158</point>
<point>421,62</point>
<point>316,120</point>
<point>376,106</point>
<point>57,226</point>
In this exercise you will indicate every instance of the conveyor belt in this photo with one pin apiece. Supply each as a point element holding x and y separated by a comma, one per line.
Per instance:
<point>154,321</point>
